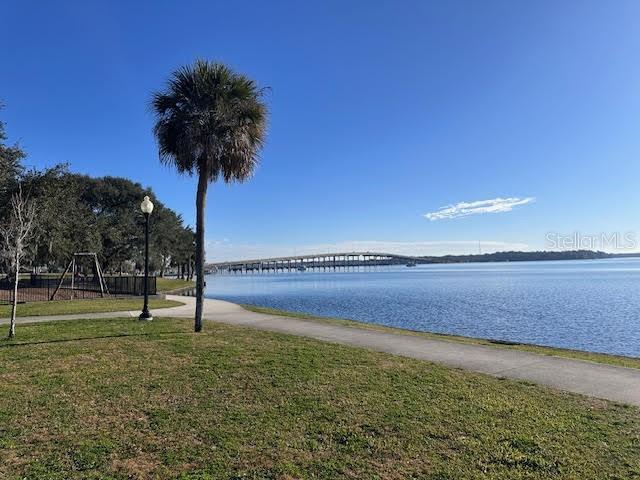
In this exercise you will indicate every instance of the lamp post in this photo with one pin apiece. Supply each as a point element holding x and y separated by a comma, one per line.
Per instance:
<point>147,207</point>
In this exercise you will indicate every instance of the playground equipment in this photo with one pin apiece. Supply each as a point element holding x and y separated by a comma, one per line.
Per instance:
<point>86,274</point>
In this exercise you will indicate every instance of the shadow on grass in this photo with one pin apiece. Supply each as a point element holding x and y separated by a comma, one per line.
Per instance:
<point>6,343</point>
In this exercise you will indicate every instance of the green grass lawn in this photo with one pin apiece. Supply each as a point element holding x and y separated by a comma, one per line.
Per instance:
<point>167,284</point>
<point>618,360</point>
<point>121,399</point>
<point>96,305</point>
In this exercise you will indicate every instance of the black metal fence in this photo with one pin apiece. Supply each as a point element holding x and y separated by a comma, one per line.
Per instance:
<point>39,288</point>
<point>122,285</point>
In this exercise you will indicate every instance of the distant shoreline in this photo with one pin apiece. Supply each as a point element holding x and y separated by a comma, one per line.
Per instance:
<point>517,256</point>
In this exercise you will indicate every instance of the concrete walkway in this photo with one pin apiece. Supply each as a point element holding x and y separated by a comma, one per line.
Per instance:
<point>598,380</point>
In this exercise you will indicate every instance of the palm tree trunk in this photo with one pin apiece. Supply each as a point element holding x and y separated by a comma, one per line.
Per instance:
<point>201,200</point>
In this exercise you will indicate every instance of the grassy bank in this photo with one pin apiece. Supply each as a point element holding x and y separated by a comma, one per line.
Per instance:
<point>123,399</point>
<point>96,305</point>
<point>168,284</point>
<point>618,360</point>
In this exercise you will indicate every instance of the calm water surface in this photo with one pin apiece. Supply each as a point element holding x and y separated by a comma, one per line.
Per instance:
<point>583,304</point>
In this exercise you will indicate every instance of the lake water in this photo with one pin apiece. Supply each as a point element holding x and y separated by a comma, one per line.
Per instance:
<point>582,304</point>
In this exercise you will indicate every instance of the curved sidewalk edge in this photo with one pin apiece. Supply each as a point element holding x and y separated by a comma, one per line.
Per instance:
<point>609,382</point>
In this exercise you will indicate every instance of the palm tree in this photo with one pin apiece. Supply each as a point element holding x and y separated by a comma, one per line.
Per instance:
<point>210,121</point>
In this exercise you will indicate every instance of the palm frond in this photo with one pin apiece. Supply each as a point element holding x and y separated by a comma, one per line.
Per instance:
<point>210,120</point>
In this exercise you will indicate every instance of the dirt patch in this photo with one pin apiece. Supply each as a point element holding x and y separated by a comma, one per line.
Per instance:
<point>141,466</point>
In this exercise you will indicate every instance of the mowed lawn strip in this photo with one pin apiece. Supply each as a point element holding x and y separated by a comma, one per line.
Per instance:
<point>618,360</point>
<point>168,284</point>
<point>95,305</point>
<point>127,399</point>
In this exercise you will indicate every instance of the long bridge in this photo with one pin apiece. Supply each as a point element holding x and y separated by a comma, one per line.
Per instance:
<point>322,261</point>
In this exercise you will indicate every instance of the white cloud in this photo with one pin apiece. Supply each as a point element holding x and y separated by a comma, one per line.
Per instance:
<point>221,251</point>
<point>464,209</point>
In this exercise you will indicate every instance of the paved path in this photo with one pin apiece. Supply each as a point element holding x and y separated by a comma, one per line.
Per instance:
<point>588,378</point>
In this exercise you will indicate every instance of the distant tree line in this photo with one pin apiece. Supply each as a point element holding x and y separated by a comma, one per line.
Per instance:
<point>519,256</point>
<point>78,213</point>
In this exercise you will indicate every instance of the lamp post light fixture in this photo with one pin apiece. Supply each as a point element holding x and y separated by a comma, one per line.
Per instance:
<point>147,207</point>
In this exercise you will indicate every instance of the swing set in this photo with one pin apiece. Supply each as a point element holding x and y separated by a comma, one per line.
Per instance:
<point>79,267</point>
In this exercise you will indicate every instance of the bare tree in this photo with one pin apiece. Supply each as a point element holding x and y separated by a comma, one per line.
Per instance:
<point>14,237</point>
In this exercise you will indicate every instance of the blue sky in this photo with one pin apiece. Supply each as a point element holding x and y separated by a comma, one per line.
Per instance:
<point>381,112</point>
